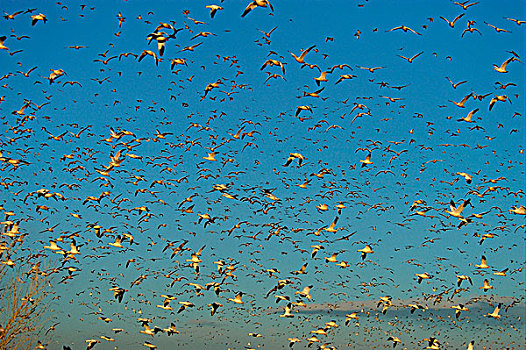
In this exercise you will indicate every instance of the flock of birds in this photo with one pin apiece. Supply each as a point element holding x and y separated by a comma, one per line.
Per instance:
<point>178,196</point>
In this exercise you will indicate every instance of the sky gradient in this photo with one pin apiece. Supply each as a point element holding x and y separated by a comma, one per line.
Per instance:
<point>223,161</point>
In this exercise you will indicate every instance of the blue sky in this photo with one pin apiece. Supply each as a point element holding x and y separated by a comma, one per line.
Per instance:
<point>408,124</point>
